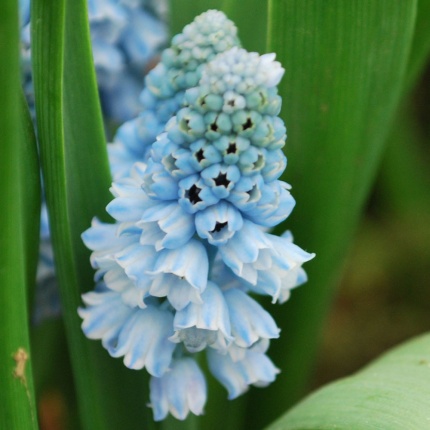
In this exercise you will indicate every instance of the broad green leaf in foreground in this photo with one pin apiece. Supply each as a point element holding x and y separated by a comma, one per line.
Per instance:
<point>19,200</point>
<point>393,393</point>
<point>77,181</point>
<point>345,64</point>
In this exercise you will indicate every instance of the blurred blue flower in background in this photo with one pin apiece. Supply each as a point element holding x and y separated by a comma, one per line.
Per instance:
<point>127,37</point>
<point>190,243</point>
<point>47,301</point>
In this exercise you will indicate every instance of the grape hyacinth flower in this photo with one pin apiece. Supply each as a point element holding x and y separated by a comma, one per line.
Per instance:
<point>177,272</point>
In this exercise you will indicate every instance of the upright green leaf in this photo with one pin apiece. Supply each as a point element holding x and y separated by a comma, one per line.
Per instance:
<point>404,178</point>
<point>250,18</point>
<point>18,200</point>
<point>77,181</point>
<point>345,64</point>
<point>393,393</point>
<point>421,43</point>
<point>182,12</point>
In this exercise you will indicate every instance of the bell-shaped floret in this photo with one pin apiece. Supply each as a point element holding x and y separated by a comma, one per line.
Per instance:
<point>241,253</point>
<point>143,340</point>
<point>166,225</point>
<point>218,223</point>
<point>130,199</point>
<point>182,389</point>
<point>249,321</point>
<point>118,257</point>
<point>255,368</point>
<point>181,274</point>
<point>104,315</point>
<point>205,324</point>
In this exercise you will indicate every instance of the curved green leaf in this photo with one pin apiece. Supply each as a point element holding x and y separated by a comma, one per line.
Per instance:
<point>393,393</point>
<point>77,180</point>
<point>345,64</point>
<point>19,202</point>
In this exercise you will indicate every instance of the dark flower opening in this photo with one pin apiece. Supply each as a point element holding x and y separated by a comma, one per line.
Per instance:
<point>221,179</point>
<point>202,101</point>
<point>185,124</point>
<point>200,155</point>
<point>232,148</point>
<point>259,163</point>
<point>248,124</point>
<point>193,194</point>
<point>263,98</point>
<point>218,227</point>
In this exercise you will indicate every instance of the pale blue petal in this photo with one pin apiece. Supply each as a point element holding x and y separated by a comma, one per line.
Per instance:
<point>254,369</point>
<point>126,209</point>
<point>218,223</point>
<point>189,262</point>
<point>143,341</point>
<point>179,391</point>
<point>104,316</point>
<point>211,314</point>
<point>249,321</point>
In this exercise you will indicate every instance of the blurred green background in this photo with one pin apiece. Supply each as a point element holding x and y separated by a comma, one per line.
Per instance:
<point>384,294</point>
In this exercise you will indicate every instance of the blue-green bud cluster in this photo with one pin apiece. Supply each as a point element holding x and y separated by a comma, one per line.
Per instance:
<point>234,113</point>
<point>180,68</point>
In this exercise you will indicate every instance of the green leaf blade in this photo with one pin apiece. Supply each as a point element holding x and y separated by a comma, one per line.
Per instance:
<point>390,394</point>
<point>345,64</point>
<point>77,180</point>
<point>17,200</point>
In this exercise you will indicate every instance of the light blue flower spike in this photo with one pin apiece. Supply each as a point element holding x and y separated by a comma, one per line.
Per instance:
<point>181,390</point>
<point>191,242</point>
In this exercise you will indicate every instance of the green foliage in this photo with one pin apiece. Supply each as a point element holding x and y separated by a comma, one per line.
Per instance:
<point>421,44</point>
<point>77,179</point>
<point>345,64</point>
<point>19,202</point>
<point>393,393</point>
